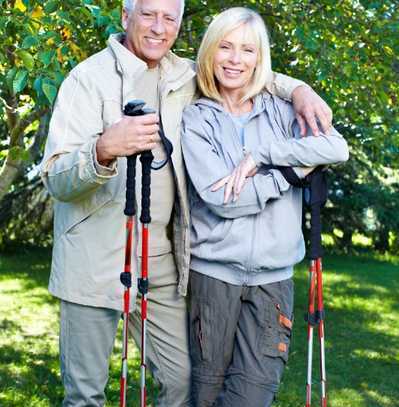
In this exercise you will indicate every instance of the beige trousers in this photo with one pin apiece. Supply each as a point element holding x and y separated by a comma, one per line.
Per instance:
<point>88,333</point>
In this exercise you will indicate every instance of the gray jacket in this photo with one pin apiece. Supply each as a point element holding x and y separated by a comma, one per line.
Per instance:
<point>261,231</point>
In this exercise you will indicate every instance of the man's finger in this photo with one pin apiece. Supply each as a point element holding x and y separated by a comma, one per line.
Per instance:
<point>150,118</point>
<point>302,124</point>
<point>149,129</point>
<point>311,122</point>
<point>325,118</point>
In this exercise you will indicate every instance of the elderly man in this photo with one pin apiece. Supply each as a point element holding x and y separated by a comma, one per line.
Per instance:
<point>84,169</point>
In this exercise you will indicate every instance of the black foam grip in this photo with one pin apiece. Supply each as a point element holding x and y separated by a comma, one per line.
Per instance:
<point>146,160</point>
<point>317,181</point>
<point>316,249</point>
<point>133,108</point>
<point>130,186</point>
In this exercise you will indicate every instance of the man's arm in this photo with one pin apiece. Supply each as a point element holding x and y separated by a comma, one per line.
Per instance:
<point>79,155</point>
<point>309,107</point>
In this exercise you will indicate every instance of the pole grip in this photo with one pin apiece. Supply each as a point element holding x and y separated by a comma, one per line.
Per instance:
<point>146,159</point>
<point>130,209</point>
<point>316,249</point>
<point>316,198</point>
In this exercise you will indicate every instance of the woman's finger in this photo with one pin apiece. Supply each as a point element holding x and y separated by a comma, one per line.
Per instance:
<point>219,184</point>
<point>229,187</point>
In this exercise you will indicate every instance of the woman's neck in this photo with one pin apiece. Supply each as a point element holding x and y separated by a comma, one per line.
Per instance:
<point>232,103</point>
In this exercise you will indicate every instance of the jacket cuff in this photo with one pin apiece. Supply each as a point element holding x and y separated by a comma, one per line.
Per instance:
<point>261,155</point>
<point>299,172</point>
<point>101,170</point>
<point>284,85</point>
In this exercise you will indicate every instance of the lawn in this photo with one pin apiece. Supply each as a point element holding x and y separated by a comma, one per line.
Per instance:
<point>362,336</point>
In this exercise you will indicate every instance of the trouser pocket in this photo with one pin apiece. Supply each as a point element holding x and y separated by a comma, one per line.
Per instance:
<point>200,347</point>
<point>278,322</point>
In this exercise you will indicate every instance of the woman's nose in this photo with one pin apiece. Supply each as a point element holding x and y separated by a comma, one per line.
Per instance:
<point>235,56</point>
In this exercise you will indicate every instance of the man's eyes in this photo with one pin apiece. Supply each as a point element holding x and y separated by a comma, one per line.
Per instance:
<point>169,19</point>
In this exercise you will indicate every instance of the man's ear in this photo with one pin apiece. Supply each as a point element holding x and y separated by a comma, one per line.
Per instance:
<point>125,18</point>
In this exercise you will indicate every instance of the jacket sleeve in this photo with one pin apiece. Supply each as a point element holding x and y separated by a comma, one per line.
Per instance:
<point>283,86</point>
<point>69,168</point>
<point>205,167</point>
<point>307,151</point>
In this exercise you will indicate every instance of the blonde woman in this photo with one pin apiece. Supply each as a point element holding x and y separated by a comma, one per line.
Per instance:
<point>245,220</point>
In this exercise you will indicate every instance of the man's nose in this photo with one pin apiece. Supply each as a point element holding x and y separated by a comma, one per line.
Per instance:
<point>159,26</point>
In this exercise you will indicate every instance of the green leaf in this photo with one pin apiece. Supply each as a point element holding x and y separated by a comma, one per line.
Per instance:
<point>37,85</point>
<point>29,41</point>
<point>10,78</point>
<point>50,91</point>
<point>27,59</point>
<point>51,6</point>
<point>20,81</point>
<point>46,57</point>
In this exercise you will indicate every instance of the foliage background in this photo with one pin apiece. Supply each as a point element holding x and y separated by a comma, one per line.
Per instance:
<point>347,50</point>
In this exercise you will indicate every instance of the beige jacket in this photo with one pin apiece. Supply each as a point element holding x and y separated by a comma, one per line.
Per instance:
<point>89,224</point>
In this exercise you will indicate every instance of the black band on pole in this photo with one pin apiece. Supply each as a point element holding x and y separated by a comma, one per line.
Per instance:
<point>146,160</point>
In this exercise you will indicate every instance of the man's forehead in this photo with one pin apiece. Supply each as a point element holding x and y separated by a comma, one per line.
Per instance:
<point>165,6</point>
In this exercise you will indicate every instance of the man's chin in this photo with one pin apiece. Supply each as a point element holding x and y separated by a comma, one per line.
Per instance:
<point>153,59</point>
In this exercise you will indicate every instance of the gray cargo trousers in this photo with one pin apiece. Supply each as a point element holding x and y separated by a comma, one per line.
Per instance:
<point>239,340</point>
<point>88,333</point>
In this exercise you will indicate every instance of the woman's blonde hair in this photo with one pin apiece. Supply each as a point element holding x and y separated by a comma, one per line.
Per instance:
<point>222,25</point>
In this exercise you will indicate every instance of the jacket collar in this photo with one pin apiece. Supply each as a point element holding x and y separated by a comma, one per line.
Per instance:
<point>175,71</point>
<point>260,104</point>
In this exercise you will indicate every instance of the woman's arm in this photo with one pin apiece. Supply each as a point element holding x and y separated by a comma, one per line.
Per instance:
<point>205,167</point>
<point>308,151</point>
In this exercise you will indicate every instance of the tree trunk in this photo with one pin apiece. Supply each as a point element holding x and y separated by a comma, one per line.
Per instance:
<point>10,171</point>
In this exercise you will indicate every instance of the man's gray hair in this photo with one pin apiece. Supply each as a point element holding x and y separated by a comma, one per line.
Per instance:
<point>131,4</point>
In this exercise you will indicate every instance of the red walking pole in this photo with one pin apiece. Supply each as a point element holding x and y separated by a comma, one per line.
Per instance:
<point>316,199</point>
<point>145,218</point>
<point>135,108</point>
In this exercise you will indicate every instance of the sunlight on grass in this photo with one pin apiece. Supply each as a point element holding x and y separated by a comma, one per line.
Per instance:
<point>362,337</point>
<point>345,397</point>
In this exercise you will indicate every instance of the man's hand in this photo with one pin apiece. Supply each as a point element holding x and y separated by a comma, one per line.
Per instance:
<point>235,181</point>
<point>130,135</point>
<point>310,108</point>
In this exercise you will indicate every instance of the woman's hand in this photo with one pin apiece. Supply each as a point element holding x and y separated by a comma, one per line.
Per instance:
<point>235,181</point>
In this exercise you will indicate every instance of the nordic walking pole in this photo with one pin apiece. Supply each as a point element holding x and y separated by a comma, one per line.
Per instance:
<point>316,200</point>
<point>133,108</point>
<point>146,159</point>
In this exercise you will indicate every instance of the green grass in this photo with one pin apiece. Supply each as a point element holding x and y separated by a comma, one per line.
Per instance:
<point>362,336</point>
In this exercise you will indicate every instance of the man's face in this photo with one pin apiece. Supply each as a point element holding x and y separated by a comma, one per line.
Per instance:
<point>152,28</point>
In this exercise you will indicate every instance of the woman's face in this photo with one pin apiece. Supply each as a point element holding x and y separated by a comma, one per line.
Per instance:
<point>235,60</point>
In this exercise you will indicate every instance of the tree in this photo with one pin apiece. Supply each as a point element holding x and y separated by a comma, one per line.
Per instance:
<point>347,50</point>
